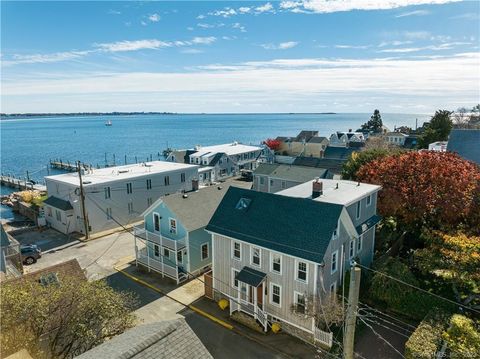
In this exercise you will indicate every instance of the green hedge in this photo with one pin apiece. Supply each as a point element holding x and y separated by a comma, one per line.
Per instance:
<point>425,341</point>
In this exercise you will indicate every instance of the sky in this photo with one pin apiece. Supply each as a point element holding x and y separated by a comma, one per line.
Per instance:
<point>410,56</point>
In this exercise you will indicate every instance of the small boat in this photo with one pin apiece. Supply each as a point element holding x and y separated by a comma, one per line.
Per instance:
<point>108,123</point>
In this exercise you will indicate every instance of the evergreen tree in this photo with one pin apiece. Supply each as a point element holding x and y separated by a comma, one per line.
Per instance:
<point>374,125</point>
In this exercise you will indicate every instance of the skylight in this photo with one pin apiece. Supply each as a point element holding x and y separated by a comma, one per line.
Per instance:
<point>243,203</point>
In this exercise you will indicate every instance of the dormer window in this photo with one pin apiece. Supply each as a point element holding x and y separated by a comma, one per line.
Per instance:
<point>243,203</point>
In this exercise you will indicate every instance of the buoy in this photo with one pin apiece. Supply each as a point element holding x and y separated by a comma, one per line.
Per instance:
<point>276,327</point>
<point>223,304</point>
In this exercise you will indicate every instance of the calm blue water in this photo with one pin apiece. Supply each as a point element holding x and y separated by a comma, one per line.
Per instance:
<point>29,144</point>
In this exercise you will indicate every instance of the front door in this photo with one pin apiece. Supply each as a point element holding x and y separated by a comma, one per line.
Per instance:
<point>260,296</point>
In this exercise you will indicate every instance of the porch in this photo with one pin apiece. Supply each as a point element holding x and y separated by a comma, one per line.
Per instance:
<point>251,295</point>
<point>150,251</point>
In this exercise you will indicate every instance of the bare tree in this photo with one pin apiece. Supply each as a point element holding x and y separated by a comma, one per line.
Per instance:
<point>326,311</point>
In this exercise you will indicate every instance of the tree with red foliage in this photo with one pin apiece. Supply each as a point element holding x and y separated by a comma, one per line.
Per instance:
<point>272,143</point>
<point>432,189</point>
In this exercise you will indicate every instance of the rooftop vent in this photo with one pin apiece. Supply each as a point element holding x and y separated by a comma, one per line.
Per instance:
<point>317,188</point>
<point>122,171</point>
<point>86,182</point>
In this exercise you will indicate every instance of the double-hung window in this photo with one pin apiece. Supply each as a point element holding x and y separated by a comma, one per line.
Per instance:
<point>369,200</point>
<point>130,207</point>
<point>156,250</point>
<point>275,294</point>
<point>358,210</point>
<point>156,222</point>
<point>256,256</point>
<point>107,193</point>
<point>234,278</point>
<point>166,180</point>
<point>300,303</point>
<point>149,184</point>
<point>360,243</point>
<point>205,251</point>
<point>182,177</point>
<point>129,188</point>
<point>173,226</point>
<point>237,250</point>
<point>352,248</point>
<point>334,262</point>
<point>302,271</point>
<point>276,266</point>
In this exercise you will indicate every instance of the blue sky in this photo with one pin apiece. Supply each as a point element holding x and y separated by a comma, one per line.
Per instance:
<point>410,56</point>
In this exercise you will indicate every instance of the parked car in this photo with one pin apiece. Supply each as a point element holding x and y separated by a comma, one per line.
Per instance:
<point>30,253</point>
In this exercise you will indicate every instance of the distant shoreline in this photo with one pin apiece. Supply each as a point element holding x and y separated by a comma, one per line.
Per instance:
<point>83,114</point>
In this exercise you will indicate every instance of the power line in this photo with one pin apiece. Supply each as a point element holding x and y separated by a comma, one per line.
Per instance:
<point>383,326</point>
<point>421,289</point>
<point>387,315</point>
<point>380,337</point>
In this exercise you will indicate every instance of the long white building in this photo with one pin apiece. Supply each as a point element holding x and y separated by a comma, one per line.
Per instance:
<point>114,194</point>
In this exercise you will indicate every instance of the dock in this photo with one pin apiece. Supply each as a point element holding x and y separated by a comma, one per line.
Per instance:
<point>21,184</point>
<point>67,166</point>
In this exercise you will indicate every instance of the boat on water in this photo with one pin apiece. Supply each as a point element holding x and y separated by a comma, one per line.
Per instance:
<point>108,123</point>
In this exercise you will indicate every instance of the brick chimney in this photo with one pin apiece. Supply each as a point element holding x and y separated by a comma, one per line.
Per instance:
<point>317,188</point>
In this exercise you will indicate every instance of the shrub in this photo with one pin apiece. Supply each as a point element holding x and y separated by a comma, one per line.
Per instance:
<point>463,337</point>
<point>425,340</point>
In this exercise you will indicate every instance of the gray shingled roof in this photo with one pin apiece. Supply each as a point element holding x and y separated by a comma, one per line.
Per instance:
<point>338,153</point>
<point>305,136</point>
<point>317,139</point>
<point>166,339</point>
<point>290,173</point>
<point>296,226</point>
<point>196,210</point>
<point>334,166</point>
<point>58,203</point>
<point>466,143</point>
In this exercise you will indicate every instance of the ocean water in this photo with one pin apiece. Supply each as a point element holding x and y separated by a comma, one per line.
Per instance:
<point>29,144</point>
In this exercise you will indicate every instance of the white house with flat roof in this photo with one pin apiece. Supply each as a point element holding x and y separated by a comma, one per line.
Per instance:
<point>113,195</point>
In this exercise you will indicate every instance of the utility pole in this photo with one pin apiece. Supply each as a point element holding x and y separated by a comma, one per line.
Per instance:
<point>82,201</point>
<point>353,292</point>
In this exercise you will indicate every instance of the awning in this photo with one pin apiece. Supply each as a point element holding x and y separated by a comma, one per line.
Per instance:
<point>251,276</point>
<point>58,203</point>
<point>369,223</point>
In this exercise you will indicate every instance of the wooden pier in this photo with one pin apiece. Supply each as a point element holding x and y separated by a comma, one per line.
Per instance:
<point>67,166</point>
<point>21,184</point>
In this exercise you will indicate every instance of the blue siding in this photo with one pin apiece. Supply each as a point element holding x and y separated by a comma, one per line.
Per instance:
<point>195,240</point>
<point>165,215</point>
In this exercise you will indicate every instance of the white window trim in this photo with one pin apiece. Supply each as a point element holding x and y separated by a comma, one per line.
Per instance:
<point>170,219</point>
<point>334,285</point>
<point>336,262</point>
<point>272,256</point>
<point>234,271</point>
<point>201,251</point>
<point>297,262</point>
<point>360,243</point>
<point>351,249</point>
<point>359,207</point>
<point>295,300</point>
<point>366,200</point>
<point>233,251</point>
<point>259,256</point>
<point>279,305</point>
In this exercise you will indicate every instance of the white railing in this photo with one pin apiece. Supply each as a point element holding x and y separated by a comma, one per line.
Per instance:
<point>250,309</point>
<point>162,266</point>
<point>325,338</point>
<point>173,244</point>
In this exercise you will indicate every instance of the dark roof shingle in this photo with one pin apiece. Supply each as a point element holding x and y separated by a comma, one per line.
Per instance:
<point>58,203</point>
<point>295,226</point>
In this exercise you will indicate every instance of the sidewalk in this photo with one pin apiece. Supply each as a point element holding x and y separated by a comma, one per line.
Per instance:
<point>280,342</point>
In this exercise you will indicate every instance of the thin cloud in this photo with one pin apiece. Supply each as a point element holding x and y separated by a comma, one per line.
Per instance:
<point>264,8</point>
<point>121,46</point>
<point>467,16</point>
<point>330,6</point>
<point>154,18</point>
<point>359,47</point>
<point>45,58</point>
<point>394,43</point>
<point>280,46</point>
<point>414,13</point>
<point>445,46</point>
<point>239,26</point>
<point>192,51</point>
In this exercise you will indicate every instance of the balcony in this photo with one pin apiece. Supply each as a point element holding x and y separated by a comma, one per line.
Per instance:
<point>160,265</point>
<point>161,240</point>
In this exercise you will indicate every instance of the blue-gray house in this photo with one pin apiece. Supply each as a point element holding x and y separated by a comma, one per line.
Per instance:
<point>173,241</point>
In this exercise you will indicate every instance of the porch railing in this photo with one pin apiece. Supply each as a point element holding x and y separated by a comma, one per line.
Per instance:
<point>157,238</point>
<point>325,338</point>
<point>162,266</point>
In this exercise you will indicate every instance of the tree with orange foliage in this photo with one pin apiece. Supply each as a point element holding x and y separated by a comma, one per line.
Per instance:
<point>426,189</point>
<point>272,143</point>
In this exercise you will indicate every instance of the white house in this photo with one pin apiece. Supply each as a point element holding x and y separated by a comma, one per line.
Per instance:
<point>439,146</point>
<point>346,139</point>
<point>274,254</point>
<point>113,195</point>
<point>395,138</point>
<point>220,161</point>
